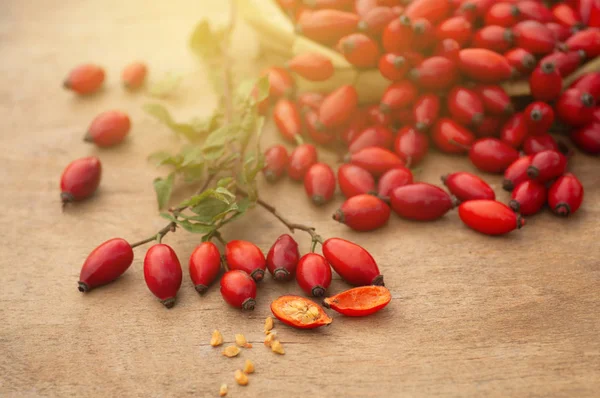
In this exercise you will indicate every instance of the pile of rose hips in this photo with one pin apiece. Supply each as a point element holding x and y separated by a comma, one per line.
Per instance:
<point>445,60</point>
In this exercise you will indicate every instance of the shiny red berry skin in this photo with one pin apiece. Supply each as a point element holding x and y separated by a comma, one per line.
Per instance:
<point>576,107</point>
<point>337,108</point>
<point>502,14</point>
<point>587,40</point>
<point>246,256</point>
<point>566,63</point>
<point>494,37</point>
<point>590,83</point>
<point>360,50</point>
<point>393,179</point>
<point>108,129</point>
<point>80,179</point>
<point>319,183</point>
<point>281,83</point>
<point>85,79</point>
<point>363,213</point>
<point>301,159</point>
<point>432,10</point>
<point>561,33</point>
<point>448,48</point>
<point>239,290</point>
<point>465,106</point>
<point>489,217</point>
<point>522,60</point>
<point>451,137</point>
<point>363,7</point>
<point>484,65</point>
<point>162,272</point>
<point>514,130</point>
<point>545,82</point>
<point>411,145</point>
<point>315,132</point>
<point>309,101</point>
<point>565,195</point>
<point>457,28</point>
<point>489,127</point>
<point>276,162</point>
<point>466,186</point>
<point>358,122</point>
<point>435,73</point>
<point>327,26</point>
<point>495,100</point>
<point>288,121</point>
<point>539,143</point>
<point>421,202</point>
<point>355,180</point>
<point>534,37</point>
<point>376,160</point>
<point>372,136</point>
<point>423,35</point>
<point>134,75</point>
<point>534,10</point>
<point>352,262</point>
<point>393,66</point>
<point>547,165</point>
<point>566,15</point>
<point>204,266</point>
<point>539,117</point>
<point>377,117</point>
<point>426,111</point>
<point>313,274</point>
<point>587,138</point>
<point>528,198</point>
<point>398,96</point>
<point>492,155</point>
<point>473,9</point>
<point>374,21</point>
<point>282,258</point>
<point>516,173</point>
<point>397,35</point>
<point>105,264</point>
<point>312,66</point>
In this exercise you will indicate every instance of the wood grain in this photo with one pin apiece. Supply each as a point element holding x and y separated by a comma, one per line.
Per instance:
<point>470,316</point>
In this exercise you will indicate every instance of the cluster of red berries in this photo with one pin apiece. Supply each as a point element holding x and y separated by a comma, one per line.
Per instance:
<point>81,178</point>
<point>245,264</point>
<point>446,61</point>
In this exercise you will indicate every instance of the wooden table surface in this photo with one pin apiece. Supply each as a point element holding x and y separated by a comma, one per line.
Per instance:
<point>470,316</point>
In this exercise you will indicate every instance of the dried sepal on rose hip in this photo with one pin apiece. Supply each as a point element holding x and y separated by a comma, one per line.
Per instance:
<point>216,339</point>
<point>359,301</point>
<point>299,312</point>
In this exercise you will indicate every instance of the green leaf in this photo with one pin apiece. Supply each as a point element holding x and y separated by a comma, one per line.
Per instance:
<point>192,155</point>
<point>193,173</point>
<point>162,114</point>
<point>162,158</point>
<point>206,42</point>
<point>195,228</point>
<point>220,137</point>
<point>163,188</point>
<point>219,193</point>
<point>262,89</point>
<point>225,182</point>
<point>165,86</point>
<point>210,208</point>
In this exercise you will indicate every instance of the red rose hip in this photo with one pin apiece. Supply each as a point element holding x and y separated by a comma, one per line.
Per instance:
<point>319,183</point>
<point>451,137</point>
<point>547,165</point>
<point>411,145</point>
<point>516,173</point>
<point>465,106</point>
<point>312,66</point>
<point>489,217</point>
<point>204,266</point>
<point>337,108</point>
<point>576,107</point>
<point>421,202</point>
<point>288,121</point>
<point>134,75</point>
<point>85,79</point>
<point>587,138</point>
<point>528,198</point>
<point>492,155</point>
<point>355,180</point>
<point>565,195</point>
<point>162,272</point>
<point>545,82</point>
<point>239,290</point>
<point>80,179</point>
<point>301,159</point>
<point>276,162</point>
<point>282,258</point>
<point>393,179</point>
<point>352,262</point>
<point>466,186</point>
<point>105,264</point>
<point>376,160</point>
<point>539,117</point>
<point>108,129</point>
<point>363,213</point>
<point>313,274</point>
<point>246,256</point>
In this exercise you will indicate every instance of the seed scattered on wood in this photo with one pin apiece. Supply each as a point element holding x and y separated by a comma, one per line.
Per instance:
<point>216,339</point>
<point>248,367</point>
<point>231,351</point>
<point>248,345</point>
<point>223,390</point>
<point>240,340</point>
<point>270,339</point>
<point>268,324</point>
<point>277,347</point>
<point>241,378</point>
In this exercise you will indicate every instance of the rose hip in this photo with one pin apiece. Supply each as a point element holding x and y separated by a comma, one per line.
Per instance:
<point>360,50</point>
<point>376,160</point>
<point>276,162</point>
<point>301,159</point>
<point>393,66</point>
<point>134,75</point>
<point>204,266</point>
<point>426,111</point>
<point>377,117</point>
<point>312,66</point>
<point>466,186</point>
<point>162,272</point>
<point>457,28</point>
<point>299,312</point>
<point>355,180</point>
<point>421,202</point>
<point>108,129</point>
<point>545,82</point>
<point>328,4</point>
<point>246,256</point>
<point>451,137</point>
<point>435,73</point>
<point>484,65</point>
<point>313,274</point>
<point>587,40</point>
<point>282,258</point>
<point>85,79</point>
<point>359,301</point>
<point>363,213</point>
<point>534,37</point>
<point>489,217</point>
<point>372,136</point>
<point>80,179</point>
<point>375,20</point>
<point>489,127</point>
<point>576,107</point>
<point>528,198</point>
<point>465,106</point>
<point>534,10</point>
<point>397,35</point>
<point>281,83</point>
<point>423,35</point>
<point>516,173</point>
<point>561,33</point>
<point>539,117</point>
<point>494,37</point>
<point>319,183</point>
<point>105,264</point>
<point>411,145</point>
<point>495,100</point>
<point>398,96</point>
<point>358,122</point>
<point>514,130</point>
<point>287,119</point>
<point>313,128</point>
<point>309,101</point>
<point>239,290</point>
<point>547,165</point>
<point>393,179</point>
<point>587,138</point>
<point>565,195</point>
<point>522,60</point>
<point>590,83</point>
<point>338,107</point>
<point>432,10</point>
<point>566,15</point>
<point>539,143</point>
<point>566,63</point>
<point>352,262</point>
<point>327,26</point>
<point>502,14</point>
<point>492,155</point>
